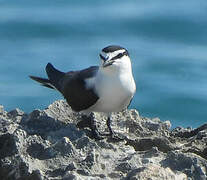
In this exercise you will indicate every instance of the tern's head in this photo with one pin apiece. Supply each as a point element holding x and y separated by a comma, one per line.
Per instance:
<point>115,58</point>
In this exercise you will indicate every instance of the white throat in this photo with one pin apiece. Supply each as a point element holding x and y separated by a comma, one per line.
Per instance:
<point>120,66</point>
<point>114,85</point>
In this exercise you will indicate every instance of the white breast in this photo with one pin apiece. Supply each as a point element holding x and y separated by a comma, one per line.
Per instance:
<point>115,92</point>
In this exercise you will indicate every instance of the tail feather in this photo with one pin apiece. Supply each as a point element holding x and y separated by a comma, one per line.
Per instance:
<point>54,78</point>
<point>42,81</point>
<point>54,75</point>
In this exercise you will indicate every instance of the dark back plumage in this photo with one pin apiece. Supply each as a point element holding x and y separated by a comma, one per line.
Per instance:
<point>78,96</point>
<point>71,85</point>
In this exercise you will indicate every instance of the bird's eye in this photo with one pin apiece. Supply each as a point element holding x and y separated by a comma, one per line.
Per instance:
<point>119,55</point>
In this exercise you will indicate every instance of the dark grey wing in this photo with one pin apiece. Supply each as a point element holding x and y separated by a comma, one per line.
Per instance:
<point>74,89</point>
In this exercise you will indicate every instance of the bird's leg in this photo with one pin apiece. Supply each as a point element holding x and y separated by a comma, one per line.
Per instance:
<point>94,130</point>
<point>111,132</point>
<point>108,123</point>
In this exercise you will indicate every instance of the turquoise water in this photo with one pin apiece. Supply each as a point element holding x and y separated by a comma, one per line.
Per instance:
<point>167,41</point>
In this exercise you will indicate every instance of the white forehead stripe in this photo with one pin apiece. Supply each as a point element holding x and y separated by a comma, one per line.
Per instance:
<point>113,54</point>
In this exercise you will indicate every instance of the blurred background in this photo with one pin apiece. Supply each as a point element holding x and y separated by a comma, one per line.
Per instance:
<point>167,42</point>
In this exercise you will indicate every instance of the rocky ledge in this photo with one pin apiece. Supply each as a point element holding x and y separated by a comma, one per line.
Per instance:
<point>47,144</point>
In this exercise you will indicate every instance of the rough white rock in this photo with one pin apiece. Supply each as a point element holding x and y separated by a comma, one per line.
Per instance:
<point>46,144</point>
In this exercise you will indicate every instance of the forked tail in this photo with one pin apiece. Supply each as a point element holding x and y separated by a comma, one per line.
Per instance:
<point>54,78</point>
<point>42,81</point>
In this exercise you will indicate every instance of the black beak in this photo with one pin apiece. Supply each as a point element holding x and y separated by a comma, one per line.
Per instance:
<point>107,61</point>
<point>102,57</point>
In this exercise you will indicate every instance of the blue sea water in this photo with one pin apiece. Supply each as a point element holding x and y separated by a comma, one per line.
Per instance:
<point>167,42</point>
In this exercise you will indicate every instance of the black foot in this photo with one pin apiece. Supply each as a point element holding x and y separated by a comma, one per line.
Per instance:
<point>113,135</point>
<point>84,123</point>
<point>90,121</point>
<point>96,135</point>
<point>116,138</point>
<point>94,130</point>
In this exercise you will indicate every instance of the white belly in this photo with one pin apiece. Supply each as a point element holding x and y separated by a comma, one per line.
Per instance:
<point>115,93</point>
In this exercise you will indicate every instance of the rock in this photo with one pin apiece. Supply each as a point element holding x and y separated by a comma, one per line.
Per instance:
<point>190,164</point>
<point>15,112</point>
<point>7,145</point>
<point>144,144</point>
<point>155,172</point>
<point>55,143</point>
<point>187,133</point>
